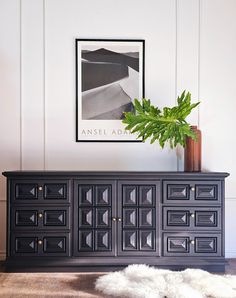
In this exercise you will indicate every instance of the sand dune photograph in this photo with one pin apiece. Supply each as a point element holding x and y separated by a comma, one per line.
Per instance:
<point>110,77</point>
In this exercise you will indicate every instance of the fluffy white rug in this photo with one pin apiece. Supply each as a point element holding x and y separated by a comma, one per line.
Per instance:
<point>141,281</point>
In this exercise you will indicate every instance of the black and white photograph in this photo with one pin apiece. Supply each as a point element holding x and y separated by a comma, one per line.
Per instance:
<point>109,76</point>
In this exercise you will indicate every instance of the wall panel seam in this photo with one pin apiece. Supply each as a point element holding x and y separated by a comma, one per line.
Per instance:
<point>176,66</point>
<point>44,92</point>
<point>199,56</point>
<point>20,128</point>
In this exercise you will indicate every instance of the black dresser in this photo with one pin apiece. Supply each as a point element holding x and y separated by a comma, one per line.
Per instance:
<point>74,221</point>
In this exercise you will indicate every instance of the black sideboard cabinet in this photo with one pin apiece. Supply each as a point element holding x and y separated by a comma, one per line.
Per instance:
<point>76,221</point>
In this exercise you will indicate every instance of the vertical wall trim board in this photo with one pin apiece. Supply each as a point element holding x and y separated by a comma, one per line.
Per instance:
<point>44,92</point>
<point>20,128</point>
<point>199,57</point>
<point>176,67</point>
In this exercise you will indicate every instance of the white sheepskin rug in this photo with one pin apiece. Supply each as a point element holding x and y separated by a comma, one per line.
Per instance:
<point>141,281</point>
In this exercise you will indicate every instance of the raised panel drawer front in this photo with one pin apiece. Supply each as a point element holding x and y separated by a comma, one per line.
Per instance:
<point>191,244</point>
<point>40,218</point>
<point>40,244</point>
<point>189,191</point>
<point>93,225</point>
<point>40,191</point>
<point>138,209</point>
<point>191,218</point>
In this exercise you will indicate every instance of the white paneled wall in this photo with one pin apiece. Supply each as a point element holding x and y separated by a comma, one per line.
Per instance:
<point>190,44</point>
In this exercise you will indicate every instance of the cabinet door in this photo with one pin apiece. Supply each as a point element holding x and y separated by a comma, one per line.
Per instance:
<point>94,202</point>
<point>138,217</point>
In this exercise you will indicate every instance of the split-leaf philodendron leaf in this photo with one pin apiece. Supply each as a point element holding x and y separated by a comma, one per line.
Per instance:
<point>168,125</point>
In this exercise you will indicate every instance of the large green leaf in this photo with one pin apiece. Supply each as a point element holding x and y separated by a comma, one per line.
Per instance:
<point>168,125</point>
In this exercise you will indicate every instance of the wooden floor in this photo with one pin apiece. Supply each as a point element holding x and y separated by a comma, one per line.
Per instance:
<point>41,285</point>
<point>231,267</point>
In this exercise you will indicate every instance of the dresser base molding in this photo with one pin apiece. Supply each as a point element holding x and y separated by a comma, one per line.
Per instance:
<point>110,264</point>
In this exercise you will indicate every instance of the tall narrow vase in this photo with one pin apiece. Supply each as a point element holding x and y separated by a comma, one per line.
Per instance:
<point>193,152</point>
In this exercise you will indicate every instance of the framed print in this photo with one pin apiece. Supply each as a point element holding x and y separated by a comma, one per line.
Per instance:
<point>109,75</point>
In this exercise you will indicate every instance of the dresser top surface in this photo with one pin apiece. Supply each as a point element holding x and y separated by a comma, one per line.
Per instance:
<point>115,173</point>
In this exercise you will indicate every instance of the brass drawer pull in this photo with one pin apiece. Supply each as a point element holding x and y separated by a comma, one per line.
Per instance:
<point>40,242</point>
<point>40,215</point>
<point>114,218</point>
<point>192,242</point>
<point>192,188</point>
<point>192,215</point>
<point>40,188</point>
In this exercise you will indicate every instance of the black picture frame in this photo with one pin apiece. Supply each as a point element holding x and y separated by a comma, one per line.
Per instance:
<point>125,62</point>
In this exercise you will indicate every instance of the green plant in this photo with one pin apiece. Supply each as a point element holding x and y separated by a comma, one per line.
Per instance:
<point>164,126</point>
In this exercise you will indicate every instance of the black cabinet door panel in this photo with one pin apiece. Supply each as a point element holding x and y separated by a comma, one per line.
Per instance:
<point>130,217</point>
<point>85,195</point>
<point>86,240</point>
<point>55,218</point>
<point>147,240</point>
<point>103,195</point>
<point>206,244</point>
<point>191,218</point>
<point>192,244</point>
<point>146,195</point>
<point>138,220</point>
<point>55,191</point>
<point>26,191</point>
<point>25,245</point>
<point>86,218</point>
<point>54,244</point>
<point>102,240</point>
<point>94,229</point>
<point>177,244</point>
<point>130,240</point>
<point>25,218</point>
<point>103,218</point>
<point>147,218</point>
<point>129,195</point>
<point>206,192</point>
<point>187,192</point>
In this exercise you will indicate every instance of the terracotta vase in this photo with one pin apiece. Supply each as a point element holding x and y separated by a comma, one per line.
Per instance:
<point>193,152</point>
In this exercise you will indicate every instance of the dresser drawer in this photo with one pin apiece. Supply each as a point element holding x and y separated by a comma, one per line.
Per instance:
<point>36,218</point>
<point>187,192</point>
<point>187,218</point>
<point>39,244</point>
<point>38,191</point>
<point>191,244</point>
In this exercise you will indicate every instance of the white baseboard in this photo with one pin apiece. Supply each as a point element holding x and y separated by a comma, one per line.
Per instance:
<point>230,254</point>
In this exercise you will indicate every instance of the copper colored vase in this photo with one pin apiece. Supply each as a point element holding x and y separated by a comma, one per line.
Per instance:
<point>193,152</point>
